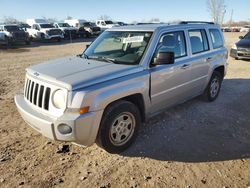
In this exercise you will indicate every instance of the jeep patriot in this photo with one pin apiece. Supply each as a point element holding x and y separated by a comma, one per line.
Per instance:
<point>127,75</point>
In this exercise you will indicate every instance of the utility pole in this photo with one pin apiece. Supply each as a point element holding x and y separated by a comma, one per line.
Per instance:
<point>231,18</point>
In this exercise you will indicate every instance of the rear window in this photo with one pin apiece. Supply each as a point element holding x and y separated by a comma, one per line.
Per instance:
<point>216,37</point>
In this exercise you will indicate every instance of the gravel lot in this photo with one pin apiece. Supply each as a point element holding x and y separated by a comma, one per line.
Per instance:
<point>196,144</point>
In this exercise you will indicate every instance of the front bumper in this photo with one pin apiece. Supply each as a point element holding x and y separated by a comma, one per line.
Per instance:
<point>84,127</point>
<point>49,37</point>
<point>239,54</point>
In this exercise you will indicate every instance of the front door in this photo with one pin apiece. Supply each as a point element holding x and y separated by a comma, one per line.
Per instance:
<point>170,83</point>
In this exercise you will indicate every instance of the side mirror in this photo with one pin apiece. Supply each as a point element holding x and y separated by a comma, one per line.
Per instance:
<point>164,58</point>
<point>241,37</point>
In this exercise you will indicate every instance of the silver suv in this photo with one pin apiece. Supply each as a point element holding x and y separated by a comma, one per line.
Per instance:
<point>127,75</point>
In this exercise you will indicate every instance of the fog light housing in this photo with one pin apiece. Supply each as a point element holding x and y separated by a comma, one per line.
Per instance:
<point>64,129</point>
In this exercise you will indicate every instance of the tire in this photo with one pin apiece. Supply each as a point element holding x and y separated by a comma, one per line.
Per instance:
<point>119,127</point>
<point>213,88</point>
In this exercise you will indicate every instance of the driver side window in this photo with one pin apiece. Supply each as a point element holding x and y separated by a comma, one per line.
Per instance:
<point>172,42</point>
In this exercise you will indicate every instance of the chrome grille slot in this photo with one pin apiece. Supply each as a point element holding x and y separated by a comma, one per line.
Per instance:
<point>40,97</point>
<point>37,94</point>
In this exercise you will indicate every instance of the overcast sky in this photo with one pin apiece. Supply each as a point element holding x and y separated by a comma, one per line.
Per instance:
<point>126,10</point>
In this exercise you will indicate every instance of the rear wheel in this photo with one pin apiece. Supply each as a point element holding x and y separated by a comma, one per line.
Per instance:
<point>213,88</point>
<point>119,127</point>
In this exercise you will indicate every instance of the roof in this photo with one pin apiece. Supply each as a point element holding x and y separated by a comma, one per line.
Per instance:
<point>153,27</point>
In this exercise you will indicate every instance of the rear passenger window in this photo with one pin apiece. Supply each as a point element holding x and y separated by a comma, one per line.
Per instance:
<point>216,38</point>
<point>173,42</point>
<point>198,40</point>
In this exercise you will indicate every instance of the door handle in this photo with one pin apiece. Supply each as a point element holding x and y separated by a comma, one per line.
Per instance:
<point>185,66</point>
<point>209,59</point>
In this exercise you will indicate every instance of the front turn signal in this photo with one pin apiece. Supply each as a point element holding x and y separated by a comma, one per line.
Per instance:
<point>84,110</point>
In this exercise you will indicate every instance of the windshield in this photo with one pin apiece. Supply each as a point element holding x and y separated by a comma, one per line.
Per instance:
<point>46,26</point>
<point>121,47</point>
<point>63,25</point>
<point>108,22</point>
<point>247,36</point>
<point>24,26</point>
<point>12,28</point>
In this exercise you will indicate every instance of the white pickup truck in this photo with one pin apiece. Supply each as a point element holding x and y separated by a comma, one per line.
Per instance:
<point>42,30</point>
<point>105,24</point>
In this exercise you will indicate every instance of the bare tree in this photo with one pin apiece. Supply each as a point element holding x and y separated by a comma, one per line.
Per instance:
<point>10,20</point>
<point>105,17</point>
<point>217,10</point>
<point>69,18</point>
<point>154,20</point>
<point>50,20</point>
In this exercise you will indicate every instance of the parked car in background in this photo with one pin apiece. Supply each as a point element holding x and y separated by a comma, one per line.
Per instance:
<point>126,76</point>
<point>245,29</point>
<point>44,31</point>
<point>241,49</point>
<point>226,29</point>
<point>14,34</point>
<point>75,22</point>
<point>24,26</point>
<point>91,28</point>
<point>121,23</point>
<point>105,24</point>
<point>68,31</point>
<point>79,24</point>
<point>235,29</point>
<point>3,39</point>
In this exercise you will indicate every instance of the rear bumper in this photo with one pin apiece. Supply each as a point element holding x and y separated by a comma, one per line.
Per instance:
<point>84,127</point>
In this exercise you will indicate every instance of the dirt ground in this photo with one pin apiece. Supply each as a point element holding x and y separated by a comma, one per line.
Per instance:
<point>196,144</point>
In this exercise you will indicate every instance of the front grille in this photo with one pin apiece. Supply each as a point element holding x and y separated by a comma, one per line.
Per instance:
<point>54,32</point>
<point>20,36</point>
<point>70,32</point>
<point>37,94</point>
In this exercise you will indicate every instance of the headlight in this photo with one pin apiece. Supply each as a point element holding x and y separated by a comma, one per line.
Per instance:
<point>234,47</point>
<point>9,34</point>
<point>59,99</point>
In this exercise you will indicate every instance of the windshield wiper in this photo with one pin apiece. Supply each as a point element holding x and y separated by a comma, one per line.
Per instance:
<point>107,59</point>
<point>83,55</point>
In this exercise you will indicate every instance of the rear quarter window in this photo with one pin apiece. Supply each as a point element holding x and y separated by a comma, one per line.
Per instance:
<point>216,38</point>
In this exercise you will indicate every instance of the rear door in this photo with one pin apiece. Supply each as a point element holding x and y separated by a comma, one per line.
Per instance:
<point>201,56</point>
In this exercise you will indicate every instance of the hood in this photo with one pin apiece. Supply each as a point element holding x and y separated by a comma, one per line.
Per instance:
<point>243,43</point>
<point>75,72</point>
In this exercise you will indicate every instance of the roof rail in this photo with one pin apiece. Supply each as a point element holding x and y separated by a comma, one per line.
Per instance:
<point>195,22</point>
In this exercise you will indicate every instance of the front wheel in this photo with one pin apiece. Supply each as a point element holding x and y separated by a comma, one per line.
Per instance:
<point>213,88</point>
<point>119,127</point>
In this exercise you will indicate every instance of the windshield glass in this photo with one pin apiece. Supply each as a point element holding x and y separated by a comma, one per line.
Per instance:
<point>247,36</point>
<point>46,26</point>
<point>121,47</point>
<point>64,25</point>
<point>108,22</point>
<point>12,28</point>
